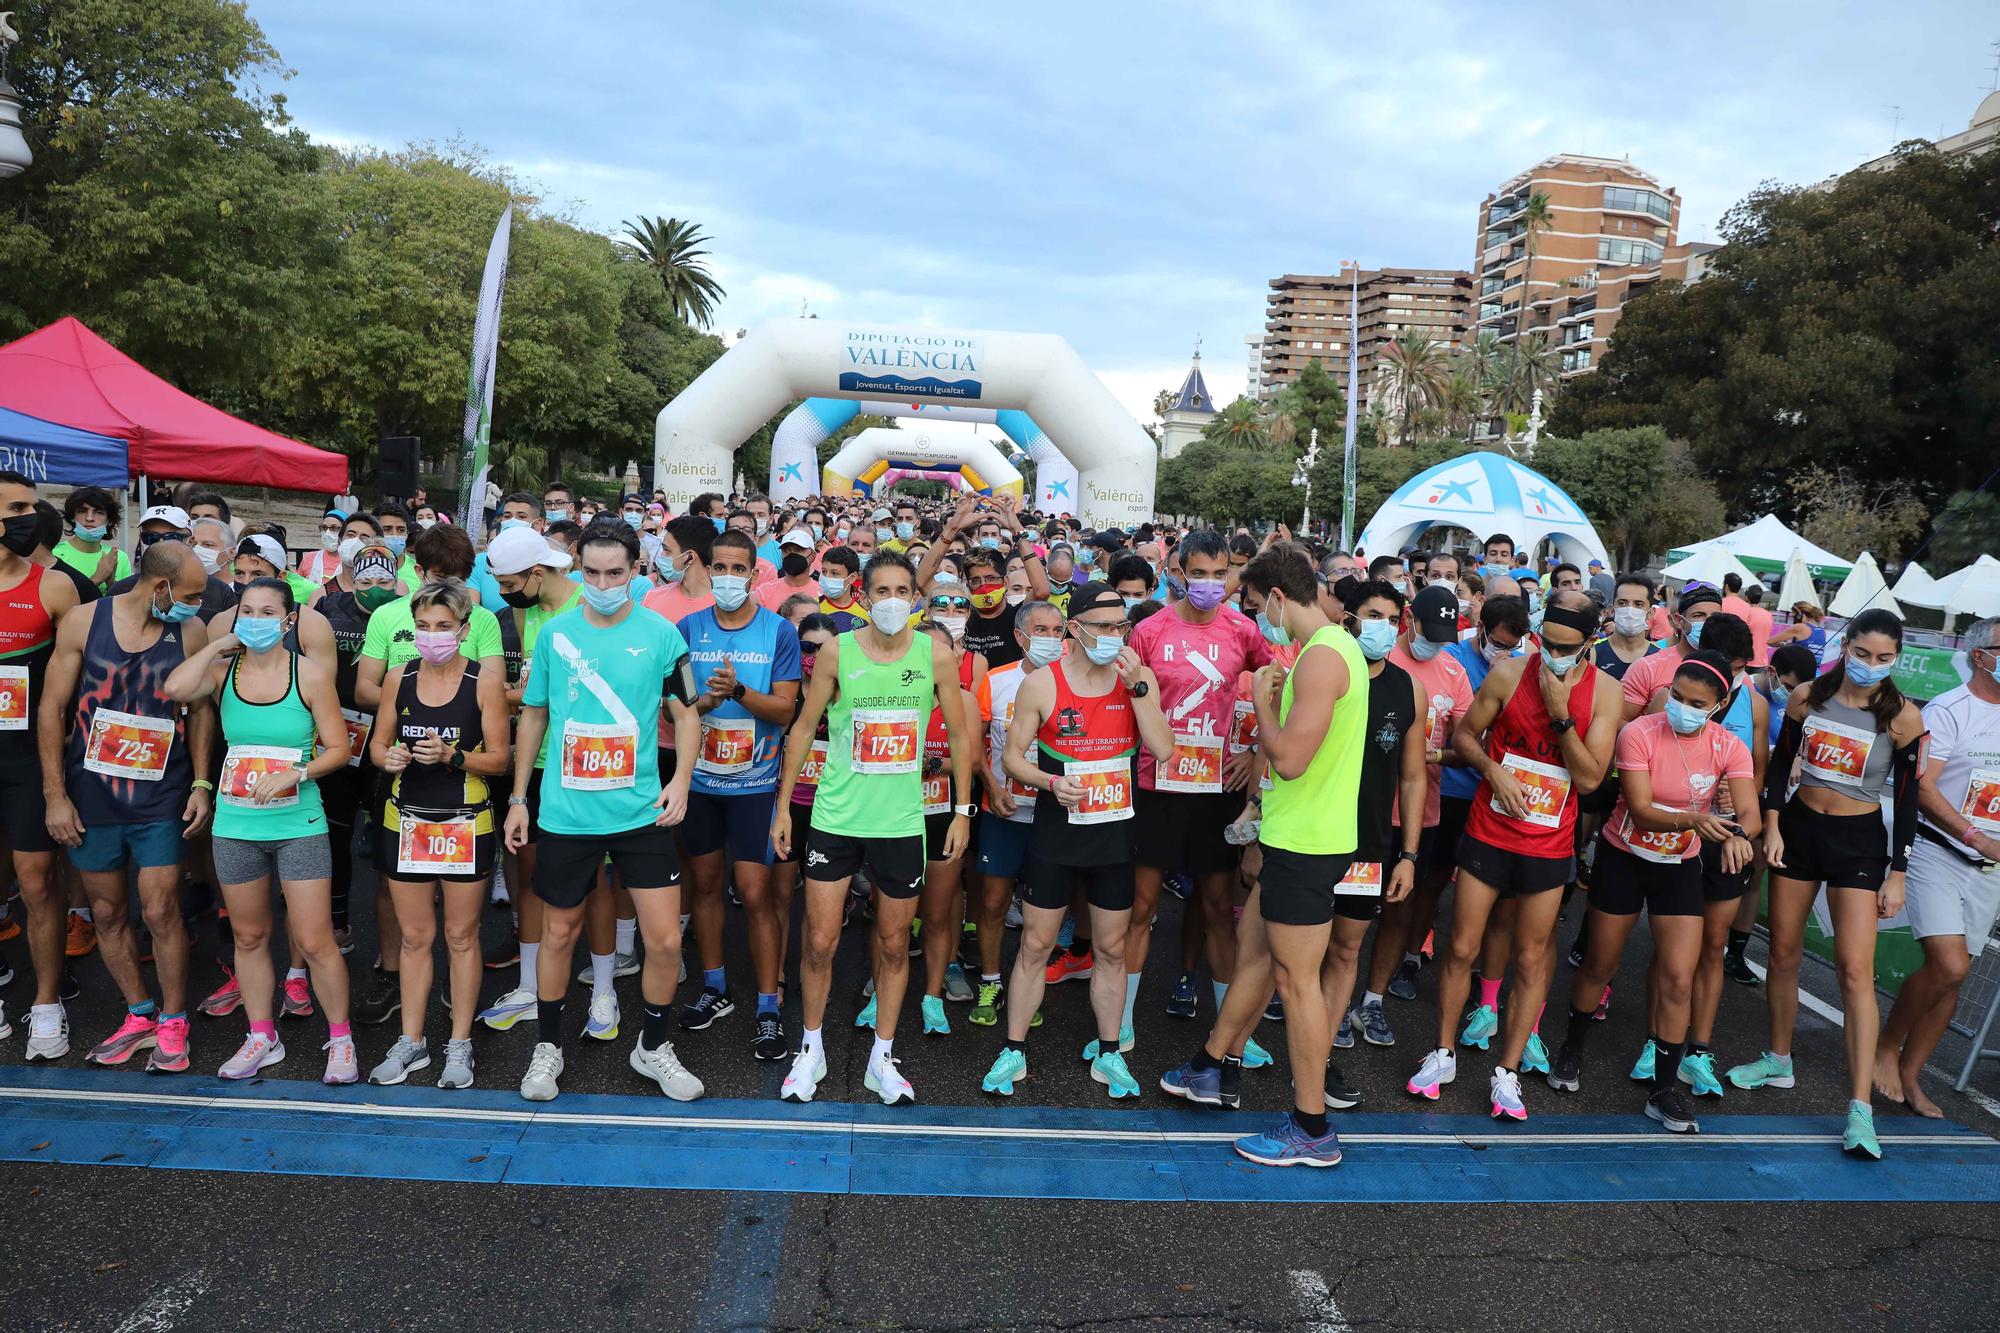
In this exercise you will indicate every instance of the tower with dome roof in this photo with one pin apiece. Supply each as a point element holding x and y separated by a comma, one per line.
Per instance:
<point>1183,422</point>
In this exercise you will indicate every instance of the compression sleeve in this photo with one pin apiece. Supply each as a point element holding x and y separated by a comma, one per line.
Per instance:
<point>1906,766</point>
<point>680,681</point>
<point>1778,774</point>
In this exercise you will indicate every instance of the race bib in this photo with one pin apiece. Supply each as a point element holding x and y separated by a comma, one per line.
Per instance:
<point>814,765</point>
<point>937,794</point>
<point>598,756</point>
<point>1834,751</point>
<point>1243,729</point>
<point>1544,786</point>
<point>1982,801</point>
<point>1107,790</point>
<point>885,740</point>
<point>13,698</point>
<point>125,745</point>
<point>247,765</point>
<point>1362,880</point>
<point>358,724</point>
<point>435,846</point>
<point>728,745</point>
<point>1196,765</point>
<point>1664,848</point>
<point>1437,723</point>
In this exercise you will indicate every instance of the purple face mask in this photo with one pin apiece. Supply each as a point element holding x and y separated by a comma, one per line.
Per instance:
<point>1206,594</point>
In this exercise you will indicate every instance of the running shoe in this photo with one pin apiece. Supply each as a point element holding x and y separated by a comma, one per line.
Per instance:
<point>506,955</point>
<point>170,1053</point>
<point>297,1000</point>
<point>1340,1094</point>
<point>1110,1070</point>
<point>1013,920</point>
<point>968,948</point>
<point>866,1018</point>
<point>1374,1024</point>
<point>1403,986</point>
<point>664,1067</point>
<point>258,1052</point>
<point>545,1067</point>
<point>225,999</point>
<point>67,986</point>
<point>1535,1056</point>
<point>602,1022</point>
<point>10,923</point>
<point>81,937</point>
<point>1255,1056</point>
<point>1766,1071</point>
<point>802,1080</point>
<point>1181,999</point>
<point>992,998</point>
<point>935,1023</point>
<point>509,1009</point>
<point>1439,1068</point>
<point>1737,968</point>
<point>1860,1140</point>
<point>6,973</point>
<point>139,1032</point>
<point>1642,1068</point>
<point>1667,1106</point>
<point>1179,885</point>
<point>622,965</point>
<point>1285,1144</point>
<point>498,896</point>
<point>1566,1074</point>
<point>1428,949</point>
<point>48,1032</point>
<point>457,1064</point>
<point>916,937</point>
<point>1009,1068</point>
<point>886,1081</point>
<point>1065,934</point>
<point>710,1005</point>
<point>1201,1086</point>
<point>769,1043</point>
<point>1576,951</point>
<point>1067,966</point>
<point>404,1057</point>
<point>1479,1028</point>
<point>380,997</point>
<point>1504,1090</point>
<point>1344,1035</point>
<point>956,988</point>
<point>1698,1072</point>
<point>1603,1007</point>
<point>1126,1041</point>
<point>341,1064</point>
<point>1274,1010</point>
<point>343,939</point>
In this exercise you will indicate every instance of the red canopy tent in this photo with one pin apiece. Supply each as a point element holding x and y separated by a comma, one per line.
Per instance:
<point>67,374</point>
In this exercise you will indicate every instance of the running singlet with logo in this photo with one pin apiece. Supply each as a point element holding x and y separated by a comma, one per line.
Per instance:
<point>1198,667</point>
<point>1391,713</point>
<point>1314,814</point>
<point>392,635</point>
<point>26,637</point>
<point>126,759</point>
<point>1611,664</point>
<point>435,807</point>
<point>1688,773</point>
<point>739,752</point>
<point>997,692</point>
<point>873,783</point>
<point>1521,741</point>
<point>264,738</point>
<point>1093,741</point>
<point>938,799</point>
<point>602,687</point>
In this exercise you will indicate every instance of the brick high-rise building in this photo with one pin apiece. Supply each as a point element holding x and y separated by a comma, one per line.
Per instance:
<point>1306,320</point>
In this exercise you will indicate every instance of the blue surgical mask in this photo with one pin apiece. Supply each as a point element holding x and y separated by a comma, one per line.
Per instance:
<point>1866,674</point>
<point>832,585</point>
<point>1562,666</point>
<point>260,634</point>
<point>1535,621</point>
<point>1423,649</point>
<point>607,601</point>
<point>634,520</point>
<point>672,573</point>
<point>884,535</point>
<point>1377,637</point>
<point>731,590</point>
<point>1104,649</point>
<point>818,530</point>
<point>1275,635</point>
<point>509,523</point>
<point>1694,633</point>
<point>95,534</point>
<point>905,531</point>
<point>1043,650</point>
<point>1685,719</point>
<point>176,611</point>
<point>721,524</point>
<point>1781,695</point>
<point>1131,602</point>
<point>558,515</point>
<point>990,543</point>
<point>395,544</point>
<point>1994,670</point>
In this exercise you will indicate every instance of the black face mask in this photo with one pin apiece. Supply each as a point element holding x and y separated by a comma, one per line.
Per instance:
<point>521,600</point>
<point>795,564</point>
<point>18,534</point>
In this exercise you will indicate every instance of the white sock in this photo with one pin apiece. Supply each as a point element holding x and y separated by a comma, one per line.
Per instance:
<point>810,1041</point>
<point>295,974</point>
<point>529,953</point>
<point>880,1054</point>
<point>601,965</point>
<point>628,931</point>
<point>83,912</point>
<point>1413,958</point>
<point>1371,997</point>
<point>1221,989</point>
<point>989,976</point>
<point>1131,998</point>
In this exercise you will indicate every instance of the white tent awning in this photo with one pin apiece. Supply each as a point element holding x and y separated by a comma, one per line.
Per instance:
<point>1766,545</point>
<point>1708,566</point>
<point>1862,589</point>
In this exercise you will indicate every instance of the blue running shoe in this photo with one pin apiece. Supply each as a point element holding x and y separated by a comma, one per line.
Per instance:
<point>1181,999</point>
<point>1535,1058</point>
<point>1698,1072</point>
<point>1766,1071</point>
<point>1010,1068</point>
<point>935,1023</point>
<point>1110,1070</point>
<point>1202,1086</point>
<point>1180,886</point>
<point>1343,1036</point>
<point>1860,1140</point>
<point>1285,1144</point>
<point>1479,1028</point>
<point>1067,935</point>
<point>1403,986</point>
<point>1642,1068</point>
<point>1374,1024</point>
<point>1126,1041</point>
<point>866,1018</point>
<point>1274,1012</point>
<point>1255,1056</point>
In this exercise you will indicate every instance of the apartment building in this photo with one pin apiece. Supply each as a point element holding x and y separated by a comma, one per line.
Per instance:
<point>1307,319</point>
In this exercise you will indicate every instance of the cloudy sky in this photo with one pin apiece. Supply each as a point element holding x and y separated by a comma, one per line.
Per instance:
<point>1129,176</point>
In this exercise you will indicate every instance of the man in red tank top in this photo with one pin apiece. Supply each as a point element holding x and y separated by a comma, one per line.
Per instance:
<point>1540,734</point>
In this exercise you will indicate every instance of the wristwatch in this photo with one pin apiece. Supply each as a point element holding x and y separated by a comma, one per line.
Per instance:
<point>1139,691</point>
<point>737,693</point>
<point>456,758</point>
<point>1563,726</point>
<point>517,800</point>
<point>1411,857</point>
<point>968,809</point>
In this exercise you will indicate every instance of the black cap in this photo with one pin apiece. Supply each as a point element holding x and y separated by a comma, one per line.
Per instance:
<point>1091,596</point>
<point>1435,614</point>
<point>1696,593</point>
<point>1111,539</point>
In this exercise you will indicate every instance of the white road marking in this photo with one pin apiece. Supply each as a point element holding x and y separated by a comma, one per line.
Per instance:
<point>163,1309</point>
<point>1981,1100</point>
<point>1316,1303</point>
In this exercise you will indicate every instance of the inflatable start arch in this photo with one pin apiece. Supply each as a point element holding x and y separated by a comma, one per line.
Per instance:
<point>795,447</point>
<point>1037,373</point>
<point>879,457</point>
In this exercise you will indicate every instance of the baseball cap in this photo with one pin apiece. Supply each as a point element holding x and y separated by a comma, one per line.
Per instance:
<point>881,515</point>
<point>517,550</point>
<point>264,548</point>
<point>1595,563</point>
<point>373,560</point>
<point>1091,596</point>
<point>173,515</point>
<point>1434,612</point>
<point>1111,539</point>
<point>798,537</point>
<point>1695,594</point>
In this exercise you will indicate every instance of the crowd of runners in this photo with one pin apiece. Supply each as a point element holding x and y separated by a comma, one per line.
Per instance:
<point>946,719</point>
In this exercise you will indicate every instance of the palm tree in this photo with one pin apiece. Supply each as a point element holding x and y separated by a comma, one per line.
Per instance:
<point>1163,402</point>
<point>1281,429</point>
<point>671,247</point>
<point>1536,363</point>
<point>1240,425</point>
<point>1537,216</point>
<point>1415,369</point>
<point>1482,360</point>
<point>1459,399</point>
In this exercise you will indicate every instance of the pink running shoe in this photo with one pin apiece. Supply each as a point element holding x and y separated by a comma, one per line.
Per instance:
<point>226,999</point>
<point>170,1054</point>
<point>1603,1007</point>
<point>298,1000</point>
<point>341,1064</point>
<point>139,1032</point>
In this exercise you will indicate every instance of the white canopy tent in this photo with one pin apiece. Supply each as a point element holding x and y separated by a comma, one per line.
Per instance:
<point>1798,584</point>
<point>1972,591</point>
<point>1709,566</point>
<point>1485,494</point>
<point>1766,545</point>
<point>1915,587</point>
<point>1861,590</point>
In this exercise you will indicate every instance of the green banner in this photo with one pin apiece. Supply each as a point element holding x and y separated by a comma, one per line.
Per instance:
<point>1925,673</point>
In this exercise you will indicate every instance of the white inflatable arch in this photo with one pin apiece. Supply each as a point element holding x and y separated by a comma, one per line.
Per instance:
<point>699,431</point>
<point>880,456</point>
<point>1485,494</point>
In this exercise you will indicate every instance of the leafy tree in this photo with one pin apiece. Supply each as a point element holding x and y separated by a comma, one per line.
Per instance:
<point>1312,401</point>
<point>1239,425</point>
<point>1415,371</point>
<point>671,248</point>
<point>1968,528</point>
<point>1848,516</point>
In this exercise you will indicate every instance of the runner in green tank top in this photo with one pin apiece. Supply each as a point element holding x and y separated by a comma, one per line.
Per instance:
<point>875,685</point>
<point>1310,725</point>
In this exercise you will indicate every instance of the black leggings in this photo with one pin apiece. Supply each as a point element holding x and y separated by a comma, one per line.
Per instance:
<point>340,792</point>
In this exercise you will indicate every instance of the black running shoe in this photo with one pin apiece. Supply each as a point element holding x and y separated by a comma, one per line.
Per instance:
<point>1566,1070</point>
<point>1672,1111</point>
<point>1340,1094</point>
<point>379,998</point>
<point>1737,968</point>
<point>769,1043</point>
<point>710,1005</point>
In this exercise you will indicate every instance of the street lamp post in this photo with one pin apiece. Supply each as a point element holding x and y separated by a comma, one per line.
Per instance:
<point>1302,478</point>
<point>15,157</point>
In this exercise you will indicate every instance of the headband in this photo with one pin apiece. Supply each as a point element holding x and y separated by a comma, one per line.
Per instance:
<point>1582,621</point>
<point>374,562</point>
<point>1709,668</point>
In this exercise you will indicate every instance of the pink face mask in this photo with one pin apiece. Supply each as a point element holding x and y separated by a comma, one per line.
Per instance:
<point>437,646</point>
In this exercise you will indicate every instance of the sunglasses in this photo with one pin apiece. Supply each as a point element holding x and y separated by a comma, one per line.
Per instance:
<point>951,603</point>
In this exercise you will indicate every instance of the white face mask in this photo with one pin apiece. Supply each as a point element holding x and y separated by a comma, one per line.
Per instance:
<point>890,614</point>
<point>210,558</point>
<point>1629,620</point>
<point>329,538</point>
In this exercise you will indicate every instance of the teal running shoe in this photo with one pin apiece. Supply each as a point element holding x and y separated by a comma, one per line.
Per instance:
<point>1110,1070</point>
<point>1860,1138</point>
<point>1698,1072</point>
<point>1642,1069</point>
<point>935,1023</point>
<point>1480,1028</point>
<point>1010,1068</point>
<point>1126,1041</point>
<point>1255,1056</point>
<point>866,1018</point>
<point>1766,1071</point>
<point>1535,1059</point>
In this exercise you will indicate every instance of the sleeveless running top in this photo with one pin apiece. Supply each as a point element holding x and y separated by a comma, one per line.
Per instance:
<point>1606,659</point>
<point>126,758</point>
<point>1314,813</point>
<point>1093,740</point>
<point>26,637</point>
<point>261,738</point>
<point>1843,752</point>
<point>1521,740</point>
<point>1739,720</point>
<point>439,787</point>
<point>873,783</point>
<point>938,796</point>
<point>1391,713</point>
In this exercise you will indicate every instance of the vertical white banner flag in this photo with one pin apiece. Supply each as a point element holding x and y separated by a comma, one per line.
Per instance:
<point>473,465</point>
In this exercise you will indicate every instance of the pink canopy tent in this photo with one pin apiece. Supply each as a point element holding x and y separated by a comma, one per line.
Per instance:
<point>67,374</point>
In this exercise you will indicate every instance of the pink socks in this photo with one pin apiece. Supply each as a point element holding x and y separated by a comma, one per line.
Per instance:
<point>269,1031</point>
<point>1489,993</point>
<point>337,1031</point>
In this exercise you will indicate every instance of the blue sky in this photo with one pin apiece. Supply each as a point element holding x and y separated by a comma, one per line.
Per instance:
<point>1128,176</point>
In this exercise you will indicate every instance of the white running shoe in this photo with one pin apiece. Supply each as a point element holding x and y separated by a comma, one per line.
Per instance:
<point>6,1028</point>
<point>48,1032</point>
<point>545,1066</point>
<point>664,1067</point>
<point>509,1009</point>
<point>1439,1068</point>
<point>802,1080</point>
<point>1505,1092</point>
<point>602,1025</point>
<point>888,1083</point>
<point>258,1052</point>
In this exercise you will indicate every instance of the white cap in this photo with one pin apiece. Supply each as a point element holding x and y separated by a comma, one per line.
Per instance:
<point>517,550</point>
<point>265,548</point>
<point>799,537</point>
<point>880,514</point>
<point>174,515</point>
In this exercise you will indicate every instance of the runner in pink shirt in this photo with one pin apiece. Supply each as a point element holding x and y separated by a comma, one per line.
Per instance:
<point>683,569</point>
<point>1649,675</point>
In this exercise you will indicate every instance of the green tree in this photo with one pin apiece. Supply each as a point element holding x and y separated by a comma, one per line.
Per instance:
<point>1848,516</point>
<point>1968,528</point>
<point>1415,372</point>
<point>1239,425</point>
<point>1312,401</point>
<point>1639,491</point>
<point>671,247</point>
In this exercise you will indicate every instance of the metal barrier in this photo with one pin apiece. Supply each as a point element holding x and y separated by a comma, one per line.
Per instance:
<point>1978,1002</point>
